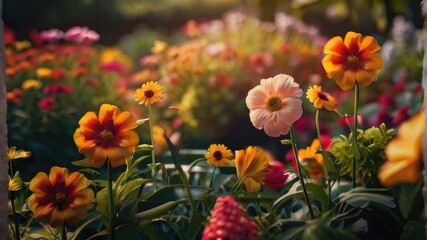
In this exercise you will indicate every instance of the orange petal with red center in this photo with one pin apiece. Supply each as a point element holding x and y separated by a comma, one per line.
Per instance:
<point>347,80</point>
<point>335,46</point>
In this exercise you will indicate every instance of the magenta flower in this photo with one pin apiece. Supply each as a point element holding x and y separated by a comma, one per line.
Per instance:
<point>52,35</point>
<point>276,177</point>
<point>275,104</point>
<point>81,35</point>
<point>46,104</point>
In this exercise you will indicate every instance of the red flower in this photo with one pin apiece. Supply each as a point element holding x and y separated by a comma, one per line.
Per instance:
<point>229,221</point>
<point>46,104</point>
<point>58,73</point>
<point>9,36</point>
<point>58,89</point>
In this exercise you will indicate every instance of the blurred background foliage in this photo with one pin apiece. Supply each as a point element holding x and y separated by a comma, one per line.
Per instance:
<point>115,18</point>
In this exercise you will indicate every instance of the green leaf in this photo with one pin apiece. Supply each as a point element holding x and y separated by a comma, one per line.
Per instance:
<point>127,231</point>
<point>142,121</point>
<point>414,230</point>
<point>314,192</point>
<point>130,189</point>
<point>102,201</point>
<point>153,212</point>
<point>286,142</point>
<point>195,225</point>
<point>81,163</point>
<point>143,147</point>
<point>329,159</point>
<point>91,220</point>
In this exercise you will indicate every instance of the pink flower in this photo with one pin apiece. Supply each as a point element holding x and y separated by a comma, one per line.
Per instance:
<point>260,62</point>
<point>52,35</point>
<point>276,177</point>
<point>81,35</point>
<point>58,89</point>
<point>46,104</point>
<point>275,104</point>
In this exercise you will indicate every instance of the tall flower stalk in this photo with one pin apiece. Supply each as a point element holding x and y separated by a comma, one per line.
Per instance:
<point>153,151</point>
<point>300,176</point>
<point>111,210</point>
<point>355,147</point>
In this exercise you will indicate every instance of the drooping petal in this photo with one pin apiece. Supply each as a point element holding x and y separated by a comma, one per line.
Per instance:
<point>252,185</point>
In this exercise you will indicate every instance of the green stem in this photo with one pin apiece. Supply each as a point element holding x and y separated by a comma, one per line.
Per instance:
<point>111,212</point>
<point>153,152</point>
<point>15,216</point>
<point>237,185</point>
<point>64,232</point>
<point>328,180</point>
<point>213,175</point>
<point>301,177</point>
<point>355,147</point>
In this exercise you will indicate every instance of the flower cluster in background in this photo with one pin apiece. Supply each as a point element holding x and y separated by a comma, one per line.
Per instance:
<point>51,82</point>
<point>208,68</point>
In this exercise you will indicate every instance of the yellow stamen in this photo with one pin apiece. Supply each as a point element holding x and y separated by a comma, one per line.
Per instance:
<point>106,135</point>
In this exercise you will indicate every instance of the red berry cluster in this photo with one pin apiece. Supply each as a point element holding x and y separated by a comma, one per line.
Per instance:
<point>229,221</point>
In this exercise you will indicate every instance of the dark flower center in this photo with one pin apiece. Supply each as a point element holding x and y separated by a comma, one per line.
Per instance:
<point>59,197</point>
<point>274,104</point>
<point>322,96</point>
<point>106,135</point>
<point>149,93</point>
<point>217,155</point>
<point>353,60</point>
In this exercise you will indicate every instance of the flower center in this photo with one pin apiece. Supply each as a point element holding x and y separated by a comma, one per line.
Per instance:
<point>217,155</point>
<point>322,96</point>
<point>106,135</point>
<point>59,197</point>
<point>353,60</point>
<point>274,104</point>
<point>149,93</point>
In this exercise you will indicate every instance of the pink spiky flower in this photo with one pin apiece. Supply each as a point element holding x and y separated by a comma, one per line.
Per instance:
<point>229,221</point>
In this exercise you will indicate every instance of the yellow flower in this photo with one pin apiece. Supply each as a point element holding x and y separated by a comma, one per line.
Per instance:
<point>352,60</point>
<point>31,84</point>
<point>218,155</point>
<point>321,99</point>
<point>15,154</point>
<point>110,136</point>
<point>60,197</point>
<point>159,46</point>
<point>15,183</point>
<point>114,54</point>
<point>403,153</point>
<point>22,45</point>
<point>43,72</point>
<point>312,160</point>
<point>149,93</point>
<point>252,165</point>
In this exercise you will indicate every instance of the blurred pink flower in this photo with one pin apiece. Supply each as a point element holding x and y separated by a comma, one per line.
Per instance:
<point>46,104</point>
<point>52,35</point>
<point>223,80</point>
<point>275,104</point>
<point>401,115</point>
<point>276,178</point>
<point>260,62</point>
<point>58,89</point>
<point>81,35</point>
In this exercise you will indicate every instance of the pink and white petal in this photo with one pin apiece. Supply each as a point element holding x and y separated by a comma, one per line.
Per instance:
<point>275,129</point>
<point>292,110</point>
<point>256,97</point>
<point>259,117</point>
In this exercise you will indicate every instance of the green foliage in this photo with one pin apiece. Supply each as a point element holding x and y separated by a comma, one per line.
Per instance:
<point>371,143</point>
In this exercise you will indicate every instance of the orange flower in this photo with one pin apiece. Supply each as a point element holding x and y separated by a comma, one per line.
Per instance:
<point>321,99</point>
<point>218,155</point>
<point>111,136</point>
<point>252,165</point>
<point>404,153</point>
<point>60,197</point>
<point>354,60</point>
<point>275,104</point>
<point>312,160</point>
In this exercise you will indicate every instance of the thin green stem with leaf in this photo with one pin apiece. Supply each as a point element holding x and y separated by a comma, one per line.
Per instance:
<point>111,211</point>
<point>153,152</point>
<point>301,177</point>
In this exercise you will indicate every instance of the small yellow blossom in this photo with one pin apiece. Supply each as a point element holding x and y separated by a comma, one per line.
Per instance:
<point>218,155</point>
<point>31,84</point>
<point>149,93</point>
<point>43,72</point>
<point>15,154</point>
<point>159,46</point>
